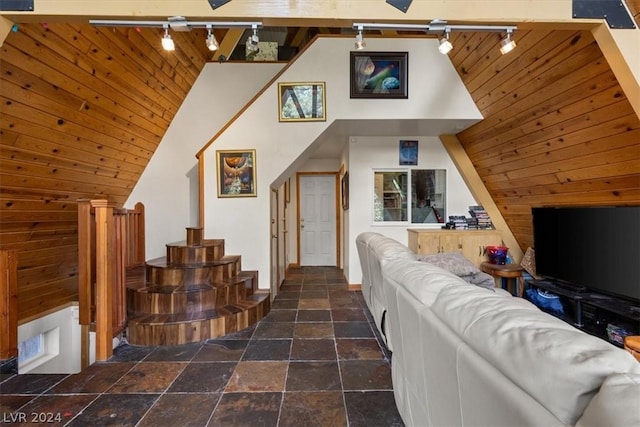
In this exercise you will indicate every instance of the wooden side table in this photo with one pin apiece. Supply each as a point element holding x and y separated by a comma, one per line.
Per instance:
<point>632,345</point>
<point>511,272</point>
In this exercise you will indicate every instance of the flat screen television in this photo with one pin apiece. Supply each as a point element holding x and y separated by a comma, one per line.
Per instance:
<point>590,248</point>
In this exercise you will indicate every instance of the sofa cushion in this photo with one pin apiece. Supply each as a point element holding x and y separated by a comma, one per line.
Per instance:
<point>560,366</point>
<point>454,262</point>
<point>422,280</point>
<point>480,279</point>
<point>616,404</point>
<point>459,265</point>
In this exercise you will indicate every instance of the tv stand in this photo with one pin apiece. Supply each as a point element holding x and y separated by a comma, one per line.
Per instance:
<point>590,311</point>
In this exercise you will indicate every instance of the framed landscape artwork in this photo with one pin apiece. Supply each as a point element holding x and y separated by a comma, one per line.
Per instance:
<point>379,75</point>
<point>301,102</point>
<point>236,173</point>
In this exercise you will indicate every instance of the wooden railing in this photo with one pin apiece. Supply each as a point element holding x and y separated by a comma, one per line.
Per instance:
<point>8,304</point>
<point>110,240</point>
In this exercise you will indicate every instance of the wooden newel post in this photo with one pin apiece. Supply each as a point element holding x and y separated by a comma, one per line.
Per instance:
<point>104,277</point>
<point>8,304</point>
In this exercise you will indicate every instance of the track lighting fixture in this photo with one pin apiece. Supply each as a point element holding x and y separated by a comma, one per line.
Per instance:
<point>180,23</point>
<point>445,45</point>
<point>167,41</point>
<point>212,43</point>
<point>252,41</point>
<point>507,45</point>
<point>438,26</point>
<point>360,43</point>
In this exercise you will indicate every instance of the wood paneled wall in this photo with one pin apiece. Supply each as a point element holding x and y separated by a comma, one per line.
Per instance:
<point>558,129</point>
<point>82,111</point>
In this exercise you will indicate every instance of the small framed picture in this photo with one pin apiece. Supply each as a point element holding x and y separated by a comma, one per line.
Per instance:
<point>408,152</point>
<point>379,74</point>
<point>236,173</point>
<point>345,191</point>
<point>301,102</point>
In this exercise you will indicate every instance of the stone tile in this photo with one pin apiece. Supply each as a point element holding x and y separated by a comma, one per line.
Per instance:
<point>366,375</point>
<point>243,334</point>
<point>115,410</point>
<point>258,376</point>
<point>348,315</point>
<point>30,383</point>
<point>313,330</point>
<point>273,349</point>
<point>148,377</point>
<point>130,353</point>
<point>10,404</point>
<point>175,353</point>
<point>315,287</point>
<point>316,408</point>
<point>290,286</point>
<point>203,377</point>
<point>60,407</point>
<point>95,379</point>
<point>337,293</point>
<point>372,408</point>
<point>353,330</point>
<point>280,316</point>
<point>274,330</point>
<point>314,304</point>
<point>317,278</point>
<point>314,294</point>
<point>221,350</point>
<point>313,349</point>
<point>313,376</point>
<point>358,348</point>
<point>184,410</point>
<point>314,316</point>
<point>284,304</point>
<point>288,294</point>
<point>247,409</point>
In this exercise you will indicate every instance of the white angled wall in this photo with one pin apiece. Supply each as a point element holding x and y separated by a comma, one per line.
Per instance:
<point>169,185</point>
<point>436,93</point>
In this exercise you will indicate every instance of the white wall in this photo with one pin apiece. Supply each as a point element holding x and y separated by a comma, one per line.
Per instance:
<point>369,153</point>
<point>436,92</point>
<point>62,343</point>
<point>169,185</point>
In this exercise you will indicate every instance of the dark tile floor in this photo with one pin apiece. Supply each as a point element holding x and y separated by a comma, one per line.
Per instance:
<point>315,360</point>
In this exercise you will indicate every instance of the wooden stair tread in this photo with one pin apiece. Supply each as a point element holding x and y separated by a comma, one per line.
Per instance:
<point>174,289</point>
<point>162,263</point>
<point>204,243</point>
<point>165,319</point>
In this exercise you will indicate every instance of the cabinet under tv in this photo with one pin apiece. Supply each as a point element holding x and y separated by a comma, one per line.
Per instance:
<point>598,314</point>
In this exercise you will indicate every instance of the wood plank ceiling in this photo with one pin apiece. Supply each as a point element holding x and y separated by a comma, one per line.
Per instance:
<point>83,110</point>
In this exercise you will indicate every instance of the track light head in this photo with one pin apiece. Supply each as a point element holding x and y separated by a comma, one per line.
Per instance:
<point>167,41</point>
<point>445,45</point>
<point>252,41</point>
<point>212,43</point>
<point>360,43</point>
<point>506,44</point>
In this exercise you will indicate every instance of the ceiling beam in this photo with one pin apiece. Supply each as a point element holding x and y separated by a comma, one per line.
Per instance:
<point>228,43</point>
<point>270,12</point>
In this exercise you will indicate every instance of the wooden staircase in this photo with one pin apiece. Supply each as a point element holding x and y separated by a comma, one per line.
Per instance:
<point>193,294</point>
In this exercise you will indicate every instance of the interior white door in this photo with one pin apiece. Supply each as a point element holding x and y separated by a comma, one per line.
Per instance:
<point>317,220</point>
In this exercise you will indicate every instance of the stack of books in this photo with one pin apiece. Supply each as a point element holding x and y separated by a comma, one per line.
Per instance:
<point>480,218</point>
<point>459,222</point>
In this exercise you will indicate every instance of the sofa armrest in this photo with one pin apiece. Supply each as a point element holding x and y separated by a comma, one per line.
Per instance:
<point>617,403</point>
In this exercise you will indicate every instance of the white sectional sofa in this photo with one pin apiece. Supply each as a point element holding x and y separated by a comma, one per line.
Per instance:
<point>465,355</point>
